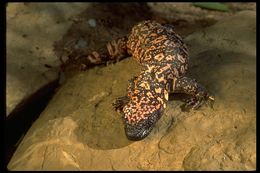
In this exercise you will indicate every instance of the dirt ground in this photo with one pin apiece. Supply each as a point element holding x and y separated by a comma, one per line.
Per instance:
<point>79,130</point>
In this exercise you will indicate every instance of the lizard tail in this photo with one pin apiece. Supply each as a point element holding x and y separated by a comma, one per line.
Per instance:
<point>114,51</point>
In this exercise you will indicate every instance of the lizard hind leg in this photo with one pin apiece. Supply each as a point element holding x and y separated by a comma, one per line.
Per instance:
<point>199,94</point>
<point>115,50</point>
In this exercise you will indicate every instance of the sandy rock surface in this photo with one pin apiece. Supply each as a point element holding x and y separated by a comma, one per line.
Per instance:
<point>79,130</point>
<point>31,30</point>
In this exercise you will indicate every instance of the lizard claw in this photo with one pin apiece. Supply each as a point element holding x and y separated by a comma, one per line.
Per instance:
<point>210,101</point>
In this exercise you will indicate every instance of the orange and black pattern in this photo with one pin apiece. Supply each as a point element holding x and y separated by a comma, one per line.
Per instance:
<point>164,61</point>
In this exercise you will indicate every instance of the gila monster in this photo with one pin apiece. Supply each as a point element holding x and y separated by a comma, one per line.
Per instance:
<point>163,58</point>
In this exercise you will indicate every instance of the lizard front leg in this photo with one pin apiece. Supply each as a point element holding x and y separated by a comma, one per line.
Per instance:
<point>198,93</point>
<point>120,102</point>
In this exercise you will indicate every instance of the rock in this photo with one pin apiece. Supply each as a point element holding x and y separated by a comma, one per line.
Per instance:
<point>31,30</point>
<point>79,130</point>
<point>186,10</point>
<point>187,18</point>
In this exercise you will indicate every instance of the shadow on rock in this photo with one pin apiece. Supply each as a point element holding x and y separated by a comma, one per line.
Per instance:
<point>97,25</point>
<point>102,129</point>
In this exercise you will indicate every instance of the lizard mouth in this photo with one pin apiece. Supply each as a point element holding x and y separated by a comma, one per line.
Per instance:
<point>135,134</point>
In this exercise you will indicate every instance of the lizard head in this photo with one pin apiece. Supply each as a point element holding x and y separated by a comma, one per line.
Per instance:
<point>138,121</point>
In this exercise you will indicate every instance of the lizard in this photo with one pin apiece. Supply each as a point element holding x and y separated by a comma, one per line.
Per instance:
<point>163,57</point>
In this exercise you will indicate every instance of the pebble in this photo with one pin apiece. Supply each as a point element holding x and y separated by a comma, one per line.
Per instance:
<point>92,22</point>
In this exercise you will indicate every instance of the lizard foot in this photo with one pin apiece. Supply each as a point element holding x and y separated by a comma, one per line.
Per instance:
<point>196,102</point>
<point>120,102</point>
